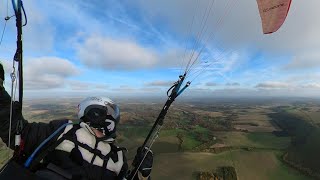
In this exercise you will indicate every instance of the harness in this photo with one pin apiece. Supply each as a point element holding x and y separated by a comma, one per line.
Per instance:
<point>71,136</point>
<point>75,154</point>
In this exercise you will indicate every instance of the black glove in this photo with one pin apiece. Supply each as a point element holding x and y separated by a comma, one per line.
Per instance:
<point>146,165</point>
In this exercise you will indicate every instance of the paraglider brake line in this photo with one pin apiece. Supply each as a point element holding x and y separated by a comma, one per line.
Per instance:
<point>25,15</point>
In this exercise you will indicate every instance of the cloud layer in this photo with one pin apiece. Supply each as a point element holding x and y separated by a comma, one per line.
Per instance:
<point>70,45</point>
<point>48,72</point>
<point>106,53</point>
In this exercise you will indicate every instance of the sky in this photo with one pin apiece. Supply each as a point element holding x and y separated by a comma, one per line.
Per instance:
<point>139,48</point>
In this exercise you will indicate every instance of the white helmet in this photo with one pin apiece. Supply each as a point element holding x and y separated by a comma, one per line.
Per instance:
<point>100,113</point>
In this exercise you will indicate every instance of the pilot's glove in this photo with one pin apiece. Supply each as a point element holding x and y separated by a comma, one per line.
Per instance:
<point>145,155</point>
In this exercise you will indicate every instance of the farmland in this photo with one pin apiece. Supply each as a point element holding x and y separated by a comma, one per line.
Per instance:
<point>201,137</point>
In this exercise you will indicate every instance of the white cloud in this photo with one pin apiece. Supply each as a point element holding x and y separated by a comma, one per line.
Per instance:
<point>107,53</point>
<point>39,33</point>
<point>51,65</point>
<point>151,90</point>
<point>78,85</point>
<point>101,86</point>
<point>48,72</point>
<point>103,52</point>
<point>84,86</point>
<point>241,27</point>
<point>311,86</point>
<point>273,85</point>
<point>125,89</point>
<point>160,83</point>
<point>43,72</point>
<point>304,62</point>
<point>211,84</point>
<point>122,47</point>
<point>233,84</point>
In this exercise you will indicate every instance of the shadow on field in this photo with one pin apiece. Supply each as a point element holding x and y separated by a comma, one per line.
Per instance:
<point>303,153</point>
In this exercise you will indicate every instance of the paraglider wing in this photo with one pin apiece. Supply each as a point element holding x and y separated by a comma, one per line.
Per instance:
<point>273,14</point>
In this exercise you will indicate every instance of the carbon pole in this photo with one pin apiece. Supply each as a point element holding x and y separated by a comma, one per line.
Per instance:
<point>18,57</point>
<point>153,133</point>
<point>162,114</point>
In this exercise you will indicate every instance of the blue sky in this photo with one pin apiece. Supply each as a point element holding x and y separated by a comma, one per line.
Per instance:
<point>79,48</point>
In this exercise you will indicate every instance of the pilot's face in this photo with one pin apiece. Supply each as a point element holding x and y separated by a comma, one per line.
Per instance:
<point>98,133</point>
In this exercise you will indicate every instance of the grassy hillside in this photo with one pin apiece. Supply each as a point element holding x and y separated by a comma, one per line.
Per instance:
<point>303,152</point>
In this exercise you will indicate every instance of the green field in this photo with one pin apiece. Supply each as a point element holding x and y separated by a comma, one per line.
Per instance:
<point>260,165</point>
<point>255,139</point>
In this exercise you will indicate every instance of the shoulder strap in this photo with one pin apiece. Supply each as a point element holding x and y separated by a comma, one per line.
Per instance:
<point>94,155</point>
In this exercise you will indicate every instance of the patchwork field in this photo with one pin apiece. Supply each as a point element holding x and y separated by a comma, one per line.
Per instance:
<point>199,137</point>
<point>260,165</point>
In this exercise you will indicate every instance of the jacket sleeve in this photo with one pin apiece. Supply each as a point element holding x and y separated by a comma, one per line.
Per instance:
<point>32,134</point>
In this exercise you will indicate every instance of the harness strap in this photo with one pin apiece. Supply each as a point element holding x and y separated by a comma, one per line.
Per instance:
<point>71,136</point>
<point>96,152</point>
<point>94,155</point>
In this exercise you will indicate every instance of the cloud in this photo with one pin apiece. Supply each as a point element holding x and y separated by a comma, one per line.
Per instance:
<point>109,36</point>
<point>78,85</point>
<point>48,72</point>
<point>82,85</point>
<point>211,84</point>
<point>44,72</point>
<point>235,92</point>
<point>273,85</point>
<point>51,65</point>
<point>151,90</point>
<point>223,92</point>
<point>125,89</point>
<point>233,84</point>
<point>304,62</point>
<point>311,86</point>
<point>303,78</point>
<point>101,86</point>
<point>36,38</point>
<point>241,26</point>
<point>160,83</point>
<point>107,53</point>
<point>104,52</point>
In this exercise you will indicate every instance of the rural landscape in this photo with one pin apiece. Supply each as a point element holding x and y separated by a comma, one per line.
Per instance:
<point>242,80</point>
<point>262,138</point>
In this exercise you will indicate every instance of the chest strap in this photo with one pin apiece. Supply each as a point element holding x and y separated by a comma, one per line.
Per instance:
<point>113,154</point>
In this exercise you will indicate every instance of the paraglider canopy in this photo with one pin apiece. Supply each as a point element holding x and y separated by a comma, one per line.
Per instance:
<point>273,13</point>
